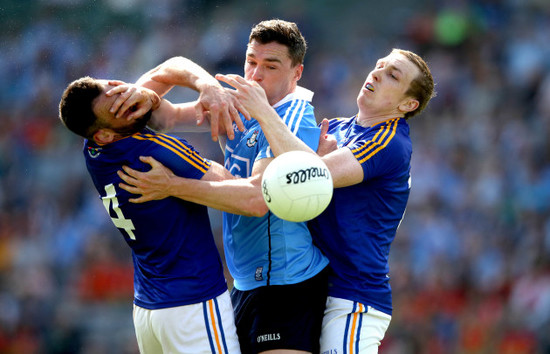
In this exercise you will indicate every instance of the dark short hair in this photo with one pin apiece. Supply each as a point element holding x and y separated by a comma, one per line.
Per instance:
<point>282,32</point>
<point>422,87</point>
<point>75,107</point>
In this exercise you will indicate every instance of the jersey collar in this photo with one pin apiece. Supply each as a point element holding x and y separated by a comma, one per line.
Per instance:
<point>301,93</point>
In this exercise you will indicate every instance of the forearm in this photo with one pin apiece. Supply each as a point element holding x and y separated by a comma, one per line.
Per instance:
<point>178,71</point>
<point>214,104</point>
<point>278,135</point>
<point>344,168</point>
<point>254,99</point>
<point>180,117</point>
<point>237,196</point>
<point>146,80</point>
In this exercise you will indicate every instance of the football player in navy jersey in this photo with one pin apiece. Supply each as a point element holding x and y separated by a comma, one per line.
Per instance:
<point>181,300</point>
<point>279,291</point>
<point>369,158</point>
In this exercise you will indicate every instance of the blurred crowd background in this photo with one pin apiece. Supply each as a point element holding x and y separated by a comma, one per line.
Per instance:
<point>470,266</point>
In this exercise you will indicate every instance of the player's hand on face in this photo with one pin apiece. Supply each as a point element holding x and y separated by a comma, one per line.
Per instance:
<point>249,93</point>
<point>151,185</point>
<point>132,101</point>
<point>327,142</point>
<point>222,109</point>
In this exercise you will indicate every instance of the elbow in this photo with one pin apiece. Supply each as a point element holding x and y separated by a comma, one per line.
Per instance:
<point>161,122</point>
<point>260,211</point>
<point>173,61</point>
<point>176,62</point>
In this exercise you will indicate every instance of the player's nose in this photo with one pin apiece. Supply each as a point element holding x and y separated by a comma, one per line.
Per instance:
<point>257,74</point>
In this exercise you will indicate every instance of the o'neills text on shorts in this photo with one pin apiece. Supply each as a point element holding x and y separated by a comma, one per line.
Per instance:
<point>269,337</point>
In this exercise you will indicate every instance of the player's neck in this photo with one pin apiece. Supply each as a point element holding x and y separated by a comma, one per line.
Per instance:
<point>371,120</point>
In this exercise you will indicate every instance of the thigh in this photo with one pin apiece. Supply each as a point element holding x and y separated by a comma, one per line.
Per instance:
<point>146,339</point>
<point>350,327</point>
<point>206,327</point>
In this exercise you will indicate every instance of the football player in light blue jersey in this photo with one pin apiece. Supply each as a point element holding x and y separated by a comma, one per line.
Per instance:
<point>279,291</point>
<point>369,158</point>
<point>178,273</point>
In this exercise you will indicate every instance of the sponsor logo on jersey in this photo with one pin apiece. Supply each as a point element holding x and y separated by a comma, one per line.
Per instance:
<point>94,152</point>
<point>250,142</point>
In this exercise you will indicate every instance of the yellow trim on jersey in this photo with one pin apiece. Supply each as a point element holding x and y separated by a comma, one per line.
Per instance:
<point>178,148</point>
<point>380,140</point>
<point>193,154</point>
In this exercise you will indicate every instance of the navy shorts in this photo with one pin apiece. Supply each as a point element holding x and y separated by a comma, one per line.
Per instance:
<point>281,316</point>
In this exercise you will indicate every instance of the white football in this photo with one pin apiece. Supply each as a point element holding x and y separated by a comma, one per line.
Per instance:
<point>297,186</point>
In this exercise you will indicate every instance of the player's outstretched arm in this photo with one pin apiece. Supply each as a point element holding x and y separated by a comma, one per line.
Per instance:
<point>343,166</point>
<point>167,118</point>
<point>138,100</point>
<point>253,98</point>
<point>217,189</point>
<point>221,107</point>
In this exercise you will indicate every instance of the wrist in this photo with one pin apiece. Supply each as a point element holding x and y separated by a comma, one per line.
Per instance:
<point>155,99</point>
<point>207,84</point>
<point>268,115</point>
<point>177,187</point>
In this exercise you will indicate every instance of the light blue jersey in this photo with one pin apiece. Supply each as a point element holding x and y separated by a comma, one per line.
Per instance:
<point>268,250</point>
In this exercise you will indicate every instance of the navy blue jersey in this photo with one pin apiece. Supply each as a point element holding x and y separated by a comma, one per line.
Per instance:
<point>176,261</point>
<point>359,225</point>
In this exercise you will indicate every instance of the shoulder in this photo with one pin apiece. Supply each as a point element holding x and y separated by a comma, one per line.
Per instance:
<point>340,122</point>
<point>162,141</point>
<point>393,131</point>
<point>385,140</point>
<point>297,113</point>
<point>171,150</point>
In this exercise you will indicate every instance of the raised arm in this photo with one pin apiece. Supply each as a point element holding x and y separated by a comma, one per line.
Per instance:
<point>168,118</point>
<point>344,168</point>
<point>221,107</point>
<point>253,97</point>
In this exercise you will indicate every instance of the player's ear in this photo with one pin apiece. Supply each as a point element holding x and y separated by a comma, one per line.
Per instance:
<point>104,136</point>
<point>409,105</point>
<point>298,70</point>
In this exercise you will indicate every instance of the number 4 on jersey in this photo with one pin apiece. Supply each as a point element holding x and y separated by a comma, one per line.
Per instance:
<point>110,200</point>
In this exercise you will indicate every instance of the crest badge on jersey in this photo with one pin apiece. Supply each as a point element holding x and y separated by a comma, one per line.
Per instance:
<point>258,275</point>
<point>94,152</point>
<point>250,142</point>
